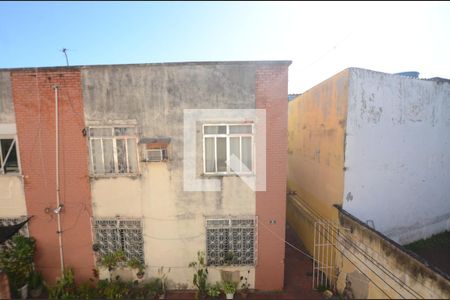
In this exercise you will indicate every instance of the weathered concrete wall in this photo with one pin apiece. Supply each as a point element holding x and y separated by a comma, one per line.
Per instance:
<point>316,141</point>
<point>397,154</point>
<point>154,97</point>
<point>6,102</point>
<point>12,197</point>
<point>385,269</point>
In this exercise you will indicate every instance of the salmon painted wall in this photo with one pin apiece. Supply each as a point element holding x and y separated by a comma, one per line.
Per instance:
<point>34,102</point>
<point>271,94</point>
<point>317,123</point>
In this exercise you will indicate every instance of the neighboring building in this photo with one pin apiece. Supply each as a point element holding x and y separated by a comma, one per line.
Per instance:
<point>377,145</point>
<point>121,166</point>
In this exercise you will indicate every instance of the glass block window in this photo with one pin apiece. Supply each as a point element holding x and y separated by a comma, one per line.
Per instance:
<point>13,221</point>
<point>231,241</point>
<point>118,234</point>
<point>113,150</point>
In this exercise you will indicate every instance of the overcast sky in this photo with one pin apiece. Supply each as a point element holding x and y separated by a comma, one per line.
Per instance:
<point>321,38</point>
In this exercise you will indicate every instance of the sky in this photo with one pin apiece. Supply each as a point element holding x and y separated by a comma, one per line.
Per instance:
<point>320,38</point>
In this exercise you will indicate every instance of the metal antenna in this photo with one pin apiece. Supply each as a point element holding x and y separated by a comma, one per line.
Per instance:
<point>64,50</point>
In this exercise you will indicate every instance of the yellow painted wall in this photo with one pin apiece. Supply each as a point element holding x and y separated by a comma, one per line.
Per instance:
<point>173,220</point>
<point>12,197</point>
<point>316,127</point>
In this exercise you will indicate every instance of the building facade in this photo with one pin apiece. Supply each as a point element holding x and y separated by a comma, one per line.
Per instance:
<point>98,155</point>
<point>375,144</point>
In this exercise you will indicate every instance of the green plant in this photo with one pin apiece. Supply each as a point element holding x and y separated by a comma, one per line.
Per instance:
<point>87,291</point>
<point>154,287</point>
<point>163,277</point>
<point>213,290</point>
<point>229,287</point>
<point>35,280</point>
<point>200,275</point>
<point>134,263</point>
<point>17,261</point>
<point>112,260</point>
<point>228,258</point>
<point>65,287</point>
<point>113,289</point>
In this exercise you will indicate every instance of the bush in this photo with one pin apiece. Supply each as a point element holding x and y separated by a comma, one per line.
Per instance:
<point>65,287</point>
<point>17,261</point>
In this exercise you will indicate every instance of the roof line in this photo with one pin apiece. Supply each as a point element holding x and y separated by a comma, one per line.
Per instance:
<point>251,62</point>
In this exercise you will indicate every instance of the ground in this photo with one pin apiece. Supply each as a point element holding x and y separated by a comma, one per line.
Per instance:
<point>435,250</point>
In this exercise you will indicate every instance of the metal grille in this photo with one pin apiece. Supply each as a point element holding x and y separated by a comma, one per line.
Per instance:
<point>324,262</point>
<point>13,221</point>
<point>117,234</point>
<point>231,241</point>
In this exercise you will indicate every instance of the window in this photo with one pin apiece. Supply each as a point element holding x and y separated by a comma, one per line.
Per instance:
<point>231,241</point>
<point>117,234</point>
<point>8,156</point>
<point>113,150</point>
<point>228,149</point>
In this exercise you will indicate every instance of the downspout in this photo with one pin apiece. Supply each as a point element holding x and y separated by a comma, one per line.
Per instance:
<point>58,205</point>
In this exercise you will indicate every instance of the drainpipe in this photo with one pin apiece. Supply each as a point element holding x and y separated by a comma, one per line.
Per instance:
<point>58,205</point>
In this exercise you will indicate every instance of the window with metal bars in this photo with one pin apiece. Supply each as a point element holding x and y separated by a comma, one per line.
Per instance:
<point>9,162</point>
<point>228,149</point>
<point>113,150</point>
<point>231,241</point>
<point>112,235</point>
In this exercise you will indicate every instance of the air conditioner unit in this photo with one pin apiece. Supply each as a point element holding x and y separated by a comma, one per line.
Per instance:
<point>156,155</point>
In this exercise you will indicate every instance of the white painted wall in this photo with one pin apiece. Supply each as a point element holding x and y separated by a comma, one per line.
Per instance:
<point>12,197</point>
<point>398,154</point>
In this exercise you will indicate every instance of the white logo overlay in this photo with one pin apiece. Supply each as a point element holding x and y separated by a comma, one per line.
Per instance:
<point>236,146</point>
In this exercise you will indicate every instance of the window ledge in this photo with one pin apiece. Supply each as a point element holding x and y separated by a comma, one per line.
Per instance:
<point>99,176</point>
<point>11,175</point>
<point>227,175</point>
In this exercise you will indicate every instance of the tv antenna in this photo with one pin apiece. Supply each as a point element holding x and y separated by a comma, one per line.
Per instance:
<point>64,50</point>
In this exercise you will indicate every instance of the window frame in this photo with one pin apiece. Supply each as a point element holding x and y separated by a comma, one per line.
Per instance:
<point>117,227</point>
<point>228,136</point>
<point>114,139</point>
<point>2,163</point>
<point>230,227</point>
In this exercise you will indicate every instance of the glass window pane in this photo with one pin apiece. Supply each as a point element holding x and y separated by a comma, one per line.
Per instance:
<point>132,156</point>
<point>247,154</point>
<point>235,164</point>
<point>215,130</point>
<point>121,156</point>
<point>96,153</point>
<point>221,154</point>
<point>241,129</point>
<point>109,155</point>
<point>210,155</point>
<point>11,164</point>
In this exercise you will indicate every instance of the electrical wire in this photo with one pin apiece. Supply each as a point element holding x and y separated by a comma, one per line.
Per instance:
<point>376,263</point>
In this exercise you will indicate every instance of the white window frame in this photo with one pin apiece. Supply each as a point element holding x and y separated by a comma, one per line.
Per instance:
<point>228,220</point>
<point>229,135</point>
<point>2,163</point>
<point>114,139</point>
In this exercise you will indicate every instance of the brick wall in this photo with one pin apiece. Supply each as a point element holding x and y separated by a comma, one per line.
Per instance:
<point>34,102</point>
<point>4,286</point>
<point>271,94</point>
